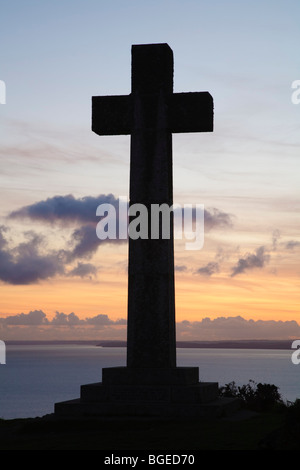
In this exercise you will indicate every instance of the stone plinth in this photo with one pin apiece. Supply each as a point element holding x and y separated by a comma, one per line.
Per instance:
<point>150,376</point>
<point>160,393</point>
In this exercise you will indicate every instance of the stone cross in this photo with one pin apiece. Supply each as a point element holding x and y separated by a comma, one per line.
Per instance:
<point>151,384</point>
<point>150,114</point>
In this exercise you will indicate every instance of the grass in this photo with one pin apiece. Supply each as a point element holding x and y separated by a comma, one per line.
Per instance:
<point>52,434</point>
<point>264,422</point>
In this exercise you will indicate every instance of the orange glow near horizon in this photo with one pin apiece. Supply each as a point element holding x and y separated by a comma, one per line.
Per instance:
<point>263,297</point>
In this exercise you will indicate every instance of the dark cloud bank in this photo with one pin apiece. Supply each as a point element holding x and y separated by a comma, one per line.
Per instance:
<point>31,261</point>
<point>35,325</point>
<point>68,209</point>
<point>39,318</point>
<point>26,263</point>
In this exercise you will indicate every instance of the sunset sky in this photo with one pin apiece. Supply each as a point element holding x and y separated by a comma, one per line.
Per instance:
<point>57,280</point>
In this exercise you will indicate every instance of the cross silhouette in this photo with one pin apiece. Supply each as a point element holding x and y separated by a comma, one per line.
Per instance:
<point>150,114</point>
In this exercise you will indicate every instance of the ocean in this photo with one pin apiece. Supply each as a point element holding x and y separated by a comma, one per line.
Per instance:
<point>36,376</point>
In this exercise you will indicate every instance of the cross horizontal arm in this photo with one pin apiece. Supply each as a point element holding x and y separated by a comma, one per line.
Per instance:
<point>191,112</point>
<point>187,112</point>
<point>111,115</point>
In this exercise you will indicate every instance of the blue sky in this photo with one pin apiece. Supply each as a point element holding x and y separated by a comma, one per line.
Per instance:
<point>56,55</point>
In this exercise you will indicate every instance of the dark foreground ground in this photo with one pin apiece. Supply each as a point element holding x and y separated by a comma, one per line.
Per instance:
<point>245,431</point>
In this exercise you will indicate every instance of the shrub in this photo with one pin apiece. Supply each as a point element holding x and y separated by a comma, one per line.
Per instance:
<point>293,412</point>
<point>259,397</point>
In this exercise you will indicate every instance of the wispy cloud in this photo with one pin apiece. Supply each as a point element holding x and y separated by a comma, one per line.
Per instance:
<point>290,245</point>
<point>180,268</point>
<point>209,269</point>
<point>251,261</point>
<point>83,270</point>
<point>215,218</point>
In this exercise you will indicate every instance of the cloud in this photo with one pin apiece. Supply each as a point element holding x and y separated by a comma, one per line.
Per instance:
<point>35,317</point>
<point>35,325</point>
<point>86,243</point>
<point>251,261</point>
<point>180,268</point>
<point>237,328</point>
<point>68,209</point>
<point>65,209</point>
<point>39,318</point>
<point>17,268</point>
<point>63,319</point>
<point>83,270</point>
<point>83,243</point>
<point>26,263</point>
<point>104,320</point>
<point>214,218</point>
<point>30,262</point>
<point>290,245</point>
<point>275,238</point>
<point>208,270</point>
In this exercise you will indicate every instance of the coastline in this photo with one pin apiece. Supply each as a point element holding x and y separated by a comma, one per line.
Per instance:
<point>221,344</point>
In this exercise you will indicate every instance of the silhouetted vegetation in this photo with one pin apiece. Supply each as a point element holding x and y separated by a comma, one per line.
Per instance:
<point>285,437</point>
<point>266,399</point>
<point>257,397</point>
<point>293,413</point>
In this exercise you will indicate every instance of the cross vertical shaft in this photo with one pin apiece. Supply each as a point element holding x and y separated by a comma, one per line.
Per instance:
<point>151,304</point>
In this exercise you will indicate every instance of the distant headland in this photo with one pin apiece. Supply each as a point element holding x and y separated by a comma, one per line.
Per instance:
<point>220,344</point>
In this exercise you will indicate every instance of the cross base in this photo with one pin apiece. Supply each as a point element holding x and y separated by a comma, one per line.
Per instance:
<point>159,393</point>
<point>150,376</point>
